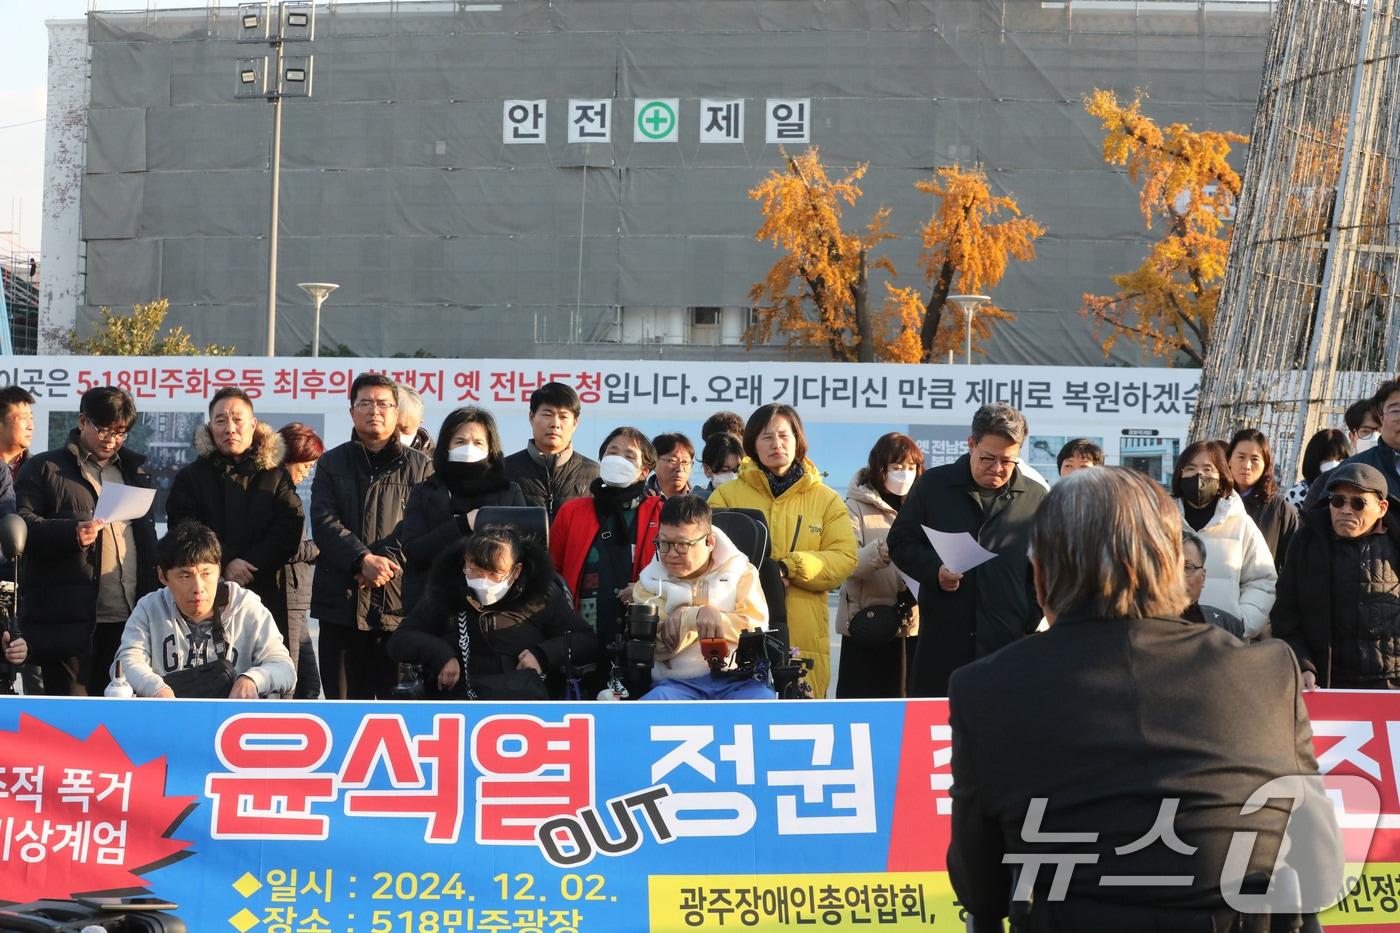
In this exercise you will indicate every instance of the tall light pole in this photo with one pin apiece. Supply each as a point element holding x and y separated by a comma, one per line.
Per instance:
<point>295,21</point>
<point>318,292</point>
<point>968,305</point>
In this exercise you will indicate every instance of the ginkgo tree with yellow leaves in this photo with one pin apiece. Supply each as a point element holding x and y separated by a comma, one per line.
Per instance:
<point>1167,304</point>
<point>817,294</point>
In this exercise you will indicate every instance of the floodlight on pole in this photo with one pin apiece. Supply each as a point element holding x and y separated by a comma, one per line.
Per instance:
<point>968,305</point>
<point>272,78</point>
<point>318,292</point>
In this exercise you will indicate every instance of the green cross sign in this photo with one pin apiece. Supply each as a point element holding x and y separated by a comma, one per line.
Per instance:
<point>656,120</point>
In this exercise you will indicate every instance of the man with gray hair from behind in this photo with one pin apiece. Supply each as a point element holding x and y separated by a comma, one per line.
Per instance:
<point>986,494</point>
<point>1116,737</point>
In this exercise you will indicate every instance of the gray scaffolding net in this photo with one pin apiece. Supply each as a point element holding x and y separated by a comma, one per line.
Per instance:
<point>1306,324</point>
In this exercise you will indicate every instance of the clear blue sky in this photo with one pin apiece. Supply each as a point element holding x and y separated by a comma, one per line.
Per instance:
<point>24,50</point>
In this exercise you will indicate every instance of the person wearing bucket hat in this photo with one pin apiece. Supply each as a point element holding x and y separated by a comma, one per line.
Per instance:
<point>1338,602</point>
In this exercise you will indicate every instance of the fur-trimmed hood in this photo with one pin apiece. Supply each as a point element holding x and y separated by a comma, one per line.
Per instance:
<point>447,586</point>
<point>267,452</point>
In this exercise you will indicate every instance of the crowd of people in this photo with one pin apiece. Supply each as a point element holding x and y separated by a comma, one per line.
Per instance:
<point>508,576</point>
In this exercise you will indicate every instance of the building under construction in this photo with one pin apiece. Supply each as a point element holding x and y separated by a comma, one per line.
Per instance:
<point>479,178</point>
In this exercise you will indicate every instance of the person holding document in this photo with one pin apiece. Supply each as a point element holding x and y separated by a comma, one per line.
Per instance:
<point>81,576</point>
<point>983,499</point>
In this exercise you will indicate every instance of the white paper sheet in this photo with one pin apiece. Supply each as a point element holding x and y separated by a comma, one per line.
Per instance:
<point>908,581</point>
<point>120,503</point>
<point>959,552</point>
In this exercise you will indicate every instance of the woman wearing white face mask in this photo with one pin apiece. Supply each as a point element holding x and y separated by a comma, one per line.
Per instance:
<point>494,624</point>
<point>720,458</point>
<point>872,666</point>
<point>600,544</point>
<point>1324,450</point>
<point>468,474</point>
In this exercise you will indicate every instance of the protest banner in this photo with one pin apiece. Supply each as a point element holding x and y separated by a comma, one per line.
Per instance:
<point>295,817</point>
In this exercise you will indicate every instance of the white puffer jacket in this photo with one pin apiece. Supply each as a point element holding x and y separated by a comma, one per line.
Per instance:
<point>874,582</point>
<point>1240,574</point>
<point>730,585</point>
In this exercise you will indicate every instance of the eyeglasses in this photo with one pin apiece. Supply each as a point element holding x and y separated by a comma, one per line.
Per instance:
<point>678,464</point>
<point>680,547</point>
<point>1002,462</point>
<point>1357,503</point>
<point>110,434</point>
<point>370,404</point>
<point>1365,432</point>
<point>1193,569</point>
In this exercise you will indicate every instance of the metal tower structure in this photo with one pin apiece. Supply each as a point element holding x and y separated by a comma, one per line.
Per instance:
<point>1307,314</point>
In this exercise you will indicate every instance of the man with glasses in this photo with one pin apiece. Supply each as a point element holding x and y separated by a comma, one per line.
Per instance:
<point>81,578</point>
<point>1193,553</point>
<point>985,494</point>
<point>357,503</point>
<point>675,458</point>
<point>1338,602</point>
<point>1379,448</point>
<point>708,594</point>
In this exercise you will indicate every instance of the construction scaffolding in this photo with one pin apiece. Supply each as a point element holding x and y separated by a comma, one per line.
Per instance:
<point>1305,324</point>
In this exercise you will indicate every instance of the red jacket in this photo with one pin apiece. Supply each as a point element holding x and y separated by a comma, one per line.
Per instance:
<point>576,526</point>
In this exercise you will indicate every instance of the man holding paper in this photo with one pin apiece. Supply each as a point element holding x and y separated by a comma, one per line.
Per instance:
<point>963,536</point>
<point>82,575</point>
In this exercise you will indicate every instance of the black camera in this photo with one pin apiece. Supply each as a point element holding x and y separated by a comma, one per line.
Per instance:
<point>634,650</point>
<point>410,685</point>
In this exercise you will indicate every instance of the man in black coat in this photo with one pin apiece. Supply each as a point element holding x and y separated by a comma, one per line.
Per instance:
<point>983,493</point>
<point>1140,732</point>
<point>357,502</point>
<point>549,471</point>
<point>238,489</point>
<point>1338,602</point>
<point>80,578</point>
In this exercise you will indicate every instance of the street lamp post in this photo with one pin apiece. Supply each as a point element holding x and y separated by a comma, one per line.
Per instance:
<point>968,305</point>
<point>318,292</point>
<point>295,21</point>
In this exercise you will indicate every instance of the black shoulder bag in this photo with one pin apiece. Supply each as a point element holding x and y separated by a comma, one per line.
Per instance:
<point>211,680</point>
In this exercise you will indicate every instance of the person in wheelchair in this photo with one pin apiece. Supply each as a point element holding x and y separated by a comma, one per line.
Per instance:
<point>707,594</point>
<point>494,623</point>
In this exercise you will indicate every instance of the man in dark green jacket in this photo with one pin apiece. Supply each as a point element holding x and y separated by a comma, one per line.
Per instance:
<point>963,616</point>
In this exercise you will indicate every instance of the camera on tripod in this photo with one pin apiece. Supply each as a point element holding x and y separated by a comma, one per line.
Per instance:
<point>633,652</point>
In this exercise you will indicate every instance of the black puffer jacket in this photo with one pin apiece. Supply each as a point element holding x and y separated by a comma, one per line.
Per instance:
<point>357,503</point>
<point>58,578</point>
<point>1343,592</point>
<point>1277,520</point>
<point>547,483</point>
<point>436,515</point>
<point>534,616</point>
<point>251,505</point>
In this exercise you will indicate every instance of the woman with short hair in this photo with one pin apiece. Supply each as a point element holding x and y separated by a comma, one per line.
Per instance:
<point>809,529</point>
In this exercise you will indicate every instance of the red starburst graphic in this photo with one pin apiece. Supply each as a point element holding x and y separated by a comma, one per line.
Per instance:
<point>77,816</point>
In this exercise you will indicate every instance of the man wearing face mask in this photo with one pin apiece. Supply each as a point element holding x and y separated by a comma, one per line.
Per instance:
<point>600,544</point>
<point>468,475</point>
<point>1337,605</point>
<point>236,487</point>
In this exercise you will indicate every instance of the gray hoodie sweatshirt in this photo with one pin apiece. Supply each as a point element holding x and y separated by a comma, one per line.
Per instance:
<point>157,642</point>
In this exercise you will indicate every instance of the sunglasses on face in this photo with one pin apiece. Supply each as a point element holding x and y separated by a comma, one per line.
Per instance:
<point>1357,503</point>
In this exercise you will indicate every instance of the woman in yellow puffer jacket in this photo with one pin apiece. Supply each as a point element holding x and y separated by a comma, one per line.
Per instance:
<point>808,526</point>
